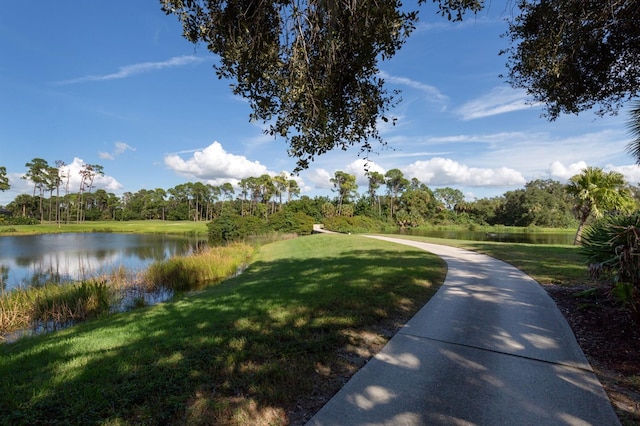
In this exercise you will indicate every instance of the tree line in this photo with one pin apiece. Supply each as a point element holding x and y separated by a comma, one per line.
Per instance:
<point>390,198</point>
<point>54,200</point>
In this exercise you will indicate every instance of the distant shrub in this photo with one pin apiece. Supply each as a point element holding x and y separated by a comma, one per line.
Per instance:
<point>288,222</point>
<point>233,227</point>
<point>20,220</point>
<point>355,224</point>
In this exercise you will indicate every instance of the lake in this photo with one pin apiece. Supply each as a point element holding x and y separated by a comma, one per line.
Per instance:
<point>33,259</point>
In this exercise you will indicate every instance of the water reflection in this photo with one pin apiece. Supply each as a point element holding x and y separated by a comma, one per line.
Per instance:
<point>35,259</point>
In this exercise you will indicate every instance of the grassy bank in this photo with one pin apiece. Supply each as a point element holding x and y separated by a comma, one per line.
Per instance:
<point>242,352</point>
<point>53,304</point>
<point>138,226</point>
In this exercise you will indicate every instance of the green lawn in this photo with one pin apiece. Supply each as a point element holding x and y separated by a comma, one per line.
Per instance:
<point>242,352</point>
<point>547,264</point>
<point>138,226</point>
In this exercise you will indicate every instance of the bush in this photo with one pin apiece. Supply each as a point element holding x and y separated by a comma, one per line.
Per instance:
<point>20,220</point>
<point>612,248</point>
<point>233,227</point>
<point>355,224</point>
<point>288,222</point>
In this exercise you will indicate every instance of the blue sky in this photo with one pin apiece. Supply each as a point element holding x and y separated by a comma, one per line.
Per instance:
<point>114,83</point>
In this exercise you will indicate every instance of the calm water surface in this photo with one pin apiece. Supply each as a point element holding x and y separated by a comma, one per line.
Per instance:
<point>32,259</point>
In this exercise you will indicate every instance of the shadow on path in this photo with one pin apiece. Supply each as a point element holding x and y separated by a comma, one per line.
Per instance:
<point>489,348</point>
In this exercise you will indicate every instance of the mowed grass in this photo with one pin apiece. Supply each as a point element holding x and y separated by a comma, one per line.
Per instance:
<point>547,264</point>
<point>242,352</point>
<point>138,226</point>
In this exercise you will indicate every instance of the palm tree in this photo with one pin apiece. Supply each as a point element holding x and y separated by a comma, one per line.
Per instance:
<point>227,190</point>
<point>345,184</point>
<point>396,183</point>
<point>4,180</point>
<point>293,190</point>
<point>597,192</point>
<point>634,127</point>
<point>280,182</point>
<point>38,175</point>
<point>87,176</point>
<point>375,180</point>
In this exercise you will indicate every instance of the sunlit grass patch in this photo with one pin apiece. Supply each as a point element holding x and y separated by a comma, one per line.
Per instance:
<point>241,352</point>
<point>546,263</point>
<point>137,226</point>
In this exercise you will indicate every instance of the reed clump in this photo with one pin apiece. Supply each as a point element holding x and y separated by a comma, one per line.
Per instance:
<point>207,266</point>
<point>53,303</point>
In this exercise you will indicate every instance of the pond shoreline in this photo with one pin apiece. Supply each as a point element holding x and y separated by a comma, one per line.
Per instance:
<point>54,306</point>
<point>37,259</point>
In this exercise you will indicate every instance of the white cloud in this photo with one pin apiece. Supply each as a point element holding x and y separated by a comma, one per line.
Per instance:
<point>106,155</point>
<point>320,177</point>
<point>499,100</point>
<point>559,171</point>
<point>215,165</point>
<point>489,138</point>
<point>433,92</point>
<point>129,70</point>
<point>105,182</point>
<point>631,172</point>
<point>532,153</point>
<point>443,171</point>
<point>120,147</point>
<point>359,167</point>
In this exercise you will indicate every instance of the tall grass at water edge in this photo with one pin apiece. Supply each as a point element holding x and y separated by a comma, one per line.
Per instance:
<point>205,267</point>
<point>52,305</point>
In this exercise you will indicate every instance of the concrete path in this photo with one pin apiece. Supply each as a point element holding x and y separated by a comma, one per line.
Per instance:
<point>490,348</point>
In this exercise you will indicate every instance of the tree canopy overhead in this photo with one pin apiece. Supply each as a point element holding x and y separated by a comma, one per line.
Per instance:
<point>572,55</point>
<point>309,68</point>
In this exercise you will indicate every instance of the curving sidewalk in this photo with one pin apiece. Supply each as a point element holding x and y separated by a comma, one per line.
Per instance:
<point>490,348</point>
